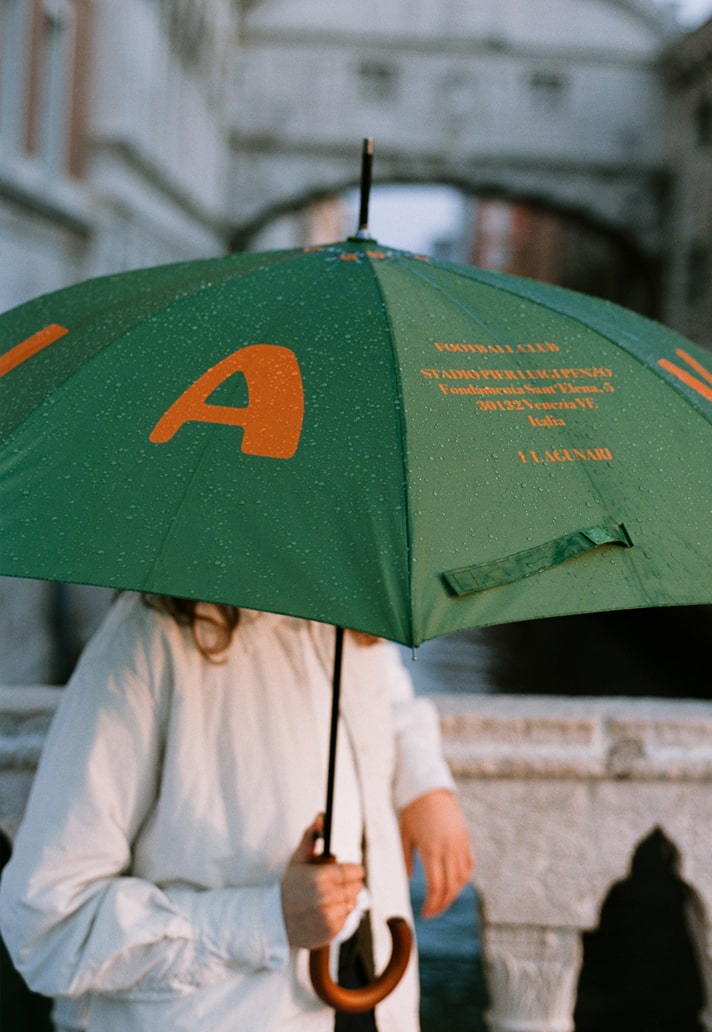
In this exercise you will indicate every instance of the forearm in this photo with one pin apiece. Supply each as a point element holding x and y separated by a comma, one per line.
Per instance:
<point>128,937</point>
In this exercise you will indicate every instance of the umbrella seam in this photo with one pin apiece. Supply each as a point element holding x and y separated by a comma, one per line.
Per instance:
<point>419,270</point>
<point>403,436</point>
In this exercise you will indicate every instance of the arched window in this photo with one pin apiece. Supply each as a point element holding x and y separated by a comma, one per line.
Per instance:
<point>43,63</point>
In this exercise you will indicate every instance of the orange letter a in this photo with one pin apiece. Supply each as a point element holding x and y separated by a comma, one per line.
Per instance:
<point>272,418</point>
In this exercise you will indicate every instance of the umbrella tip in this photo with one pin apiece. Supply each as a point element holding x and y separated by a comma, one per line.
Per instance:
<point>363,233</point>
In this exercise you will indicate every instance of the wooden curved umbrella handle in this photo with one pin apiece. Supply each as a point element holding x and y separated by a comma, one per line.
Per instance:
<point>355,1001</point>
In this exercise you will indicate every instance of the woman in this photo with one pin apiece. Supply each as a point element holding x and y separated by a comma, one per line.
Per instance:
<point>163,863</point>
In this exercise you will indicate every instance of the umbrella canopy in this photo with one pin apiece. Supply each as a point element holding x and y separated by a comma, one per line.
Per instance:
<point>357,435</point>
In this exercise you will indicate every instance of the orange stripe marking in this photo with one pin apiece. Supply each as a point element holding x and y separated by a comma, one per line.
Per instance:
<point>695,364</point>
<point>27,348</point>
<point>688,378</point>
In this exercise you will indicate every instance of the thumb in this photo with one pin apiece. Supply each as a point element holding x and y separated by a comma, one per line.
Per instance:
<point>306,850</point>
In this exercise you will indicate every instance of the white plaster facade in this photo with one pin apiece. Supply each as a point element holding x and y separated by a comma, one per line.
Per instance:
<point>113,138</point>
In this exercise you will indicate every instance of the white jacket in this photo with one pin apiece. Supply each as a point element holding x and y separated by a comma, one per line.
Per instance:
<point>170,797</point>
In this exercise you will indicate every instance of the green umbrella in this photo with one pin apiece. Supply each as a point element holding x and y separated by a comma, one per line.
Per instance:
<point>356,435</point>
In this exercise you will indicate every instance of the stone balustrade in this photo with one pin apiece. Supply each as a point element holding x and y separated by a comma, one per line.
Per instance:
<point>559,793</point>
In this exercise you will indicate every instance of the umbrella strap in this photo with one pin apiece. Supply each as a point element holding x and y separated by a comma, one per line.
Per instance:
<point>333,730</point>
<point>534,560</point>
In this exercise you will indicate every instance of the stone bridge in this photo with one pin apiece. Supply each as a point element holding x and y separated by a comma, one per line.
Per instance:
<point>555,102</point>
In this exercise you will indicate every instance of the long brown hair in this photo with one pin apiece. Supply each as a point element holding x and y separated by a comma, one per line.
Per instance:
<point>219,620</point>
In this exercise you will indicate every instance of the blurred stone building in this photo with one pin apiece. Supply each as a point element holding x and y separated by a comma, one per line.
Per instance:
<point>688,290</point>
<point>114,125</point>
<point>136,132</point>
<point>114,154</point>
<point>549,102</point>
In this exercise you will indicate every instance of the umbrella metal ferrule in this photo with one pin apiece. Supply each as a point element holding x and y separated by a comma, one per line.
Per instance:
<point>363,233</point>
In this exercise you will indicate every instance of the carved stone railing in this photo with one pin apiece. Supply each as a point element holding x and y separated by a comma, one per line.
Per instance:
<point>558,794</point>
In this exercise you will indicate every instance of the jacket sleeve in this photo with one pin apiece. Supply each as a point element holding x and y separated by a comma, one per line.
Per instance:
<point>419,763</point>
<point>72,915</point>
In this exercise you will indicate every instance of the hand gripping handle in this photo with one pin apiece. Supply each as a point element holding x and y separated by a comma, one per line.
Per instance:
<point>355,1001</point>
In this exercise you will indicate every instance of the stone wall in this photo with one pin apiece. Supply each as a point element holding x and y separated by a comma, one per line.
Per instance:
<point>559,794</point>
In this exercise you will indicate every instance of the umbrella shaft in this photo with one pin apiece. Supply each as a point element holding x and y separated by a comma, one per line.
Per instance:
<point>333,730</point>
<point>366,178</point>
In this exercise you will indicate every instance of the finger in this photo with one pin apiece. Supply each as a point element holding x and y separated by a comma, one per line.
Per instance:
<point>463,862</point>
<point>457,868</point>
<point>330,918</point>
<point>334,878</point>
<point>455,879</point>
<point>335,890</point>
<point>352,875</point>
<point>435,883</point>
<point>306,850</point>
<point>468,862</point>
